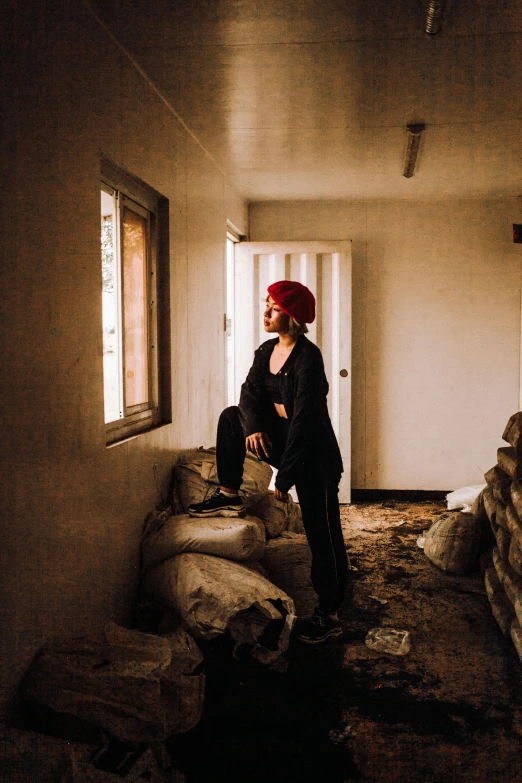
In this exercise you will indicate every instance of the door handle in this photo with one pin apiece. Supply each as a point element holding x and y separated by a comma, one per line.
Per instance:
<point>343,373</point>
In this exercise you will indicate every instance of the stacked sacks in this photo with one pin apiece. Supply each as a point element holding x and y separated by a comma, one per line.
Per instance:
<point>229,537</point>
<point>278,517</point>
<point>213,595</point>
<point>196,479</point>
<point>204,569</point>
<point>288,562</point>
<point>502,500</point>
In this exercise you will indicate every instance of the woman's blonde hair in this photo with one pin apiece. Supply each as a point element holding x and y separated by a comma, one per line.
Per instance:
<point>295,328</point>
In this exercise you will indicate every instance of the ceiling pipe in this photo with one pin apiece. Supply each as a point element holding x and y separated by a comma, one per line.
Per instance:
<point>434,14</point>
<point>412,147</point>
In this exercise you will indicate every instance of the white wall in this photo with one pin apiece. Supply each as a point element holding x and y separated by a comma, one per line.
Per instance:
<point>72,510</point>
<point>436,331</point>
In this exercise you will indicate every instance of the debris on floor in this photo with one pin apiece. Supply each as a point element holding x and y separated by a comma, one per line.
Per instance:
<point>388,640</point>
<point>449,710</point>
<point>424,685</point>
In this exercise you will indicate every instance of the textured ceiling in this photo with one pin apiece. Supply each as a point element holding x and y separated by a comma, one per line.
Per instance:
<point>298,99</point>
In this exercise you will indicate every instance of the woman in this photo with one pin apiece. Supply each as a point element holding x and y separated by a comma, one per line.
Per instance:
<point>283,419</point>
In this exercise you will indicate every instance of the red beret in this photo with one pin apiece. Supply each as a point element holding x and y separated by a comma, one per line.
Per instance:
<point>295,299</point>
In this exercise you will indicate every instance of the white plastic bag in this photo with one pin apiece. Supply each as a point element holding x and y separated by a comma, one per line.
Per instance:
<point>465,496</point>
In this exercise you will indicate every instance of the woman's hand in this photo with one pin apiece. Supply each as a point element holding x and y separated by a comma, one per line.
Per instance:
<point>283,496</point>
<point>259,444</point>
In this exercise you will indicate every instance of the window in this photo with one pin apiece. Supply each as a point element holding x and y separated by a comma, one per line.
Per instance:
<point>134,305</point>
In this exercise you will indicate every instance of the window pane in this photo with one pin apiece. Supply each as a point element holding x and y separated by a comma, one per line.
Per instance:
<point>135,308</point>
<point>112,381</point>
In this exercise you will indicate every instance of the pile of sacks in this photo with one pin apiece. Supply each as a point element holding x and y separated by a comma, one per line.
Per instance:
<point>501,503</point>
<point>491,526</point>
<point>244,576</point>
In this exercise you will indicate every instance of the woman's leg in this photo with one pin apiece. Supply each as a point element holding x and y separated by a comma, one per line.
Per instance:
<point>322,522</point>
<point>230,449</point>
<point>231,446</point>
<point>230,455</point>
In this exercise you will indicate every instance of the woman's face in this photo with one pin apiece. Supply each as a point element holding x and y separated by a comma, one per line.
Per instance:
<point>274,319</point>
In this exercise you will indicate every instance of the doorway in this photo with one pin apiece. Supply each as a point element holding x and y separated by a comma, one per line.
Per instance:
<point>325,267</point>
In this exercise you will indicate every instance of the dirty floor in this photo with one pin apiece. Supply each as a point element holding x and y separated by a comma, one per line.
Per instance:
<point>447,712</point>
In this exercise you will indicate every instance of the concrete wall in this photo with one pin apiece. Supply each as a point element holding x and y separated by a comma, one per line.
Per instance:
<point>73,509</point>
<point>436,331</point>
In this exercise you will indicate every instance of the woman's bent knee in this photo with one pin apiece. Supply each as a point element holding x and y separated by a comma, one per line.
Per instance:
<point>230,414</point>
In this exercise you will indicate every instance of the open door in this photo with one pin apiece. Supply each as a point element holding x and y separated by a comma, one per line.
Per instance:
<point>326,268</point>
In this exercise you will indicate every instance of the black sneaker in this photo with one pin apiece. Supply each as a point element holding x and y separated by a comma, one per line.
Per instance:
<point>218,505</point>
<point>317,628</point>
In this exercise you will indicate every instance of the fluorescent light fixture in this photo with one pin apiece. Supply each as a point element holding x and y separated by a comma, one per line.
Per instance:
<point>434,14</point>
<point>412,147</point>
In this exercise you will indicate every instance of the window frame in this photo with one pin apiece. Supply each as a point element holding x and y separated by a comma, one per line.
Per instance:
<point>133,194</point>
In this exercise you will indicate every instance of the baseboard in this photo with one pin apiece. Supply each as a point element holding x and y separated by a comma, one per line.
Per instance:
<point>406,495</point>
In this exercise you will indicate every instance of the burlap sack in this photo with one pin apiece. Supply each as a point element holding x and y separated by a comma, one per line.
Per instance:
<point>288,562</point>
<point>503,540</point>
<point>33,757</point>
<point>513,432</point>
<point>214,595</point>
<point>183,687</point>
<point>516,636</point>
<point>230,537</point>
<point>478,508</point>
<point>516,496</point>
<point>452,543</point>
<point>129,683</point>
<point>515,556</point>
<point>508,462</point>
<point>510,580</point>
<point>490,504</point>
<point>196,478</point>
<point>513,522</point>
<point>501,515</point>
<point>501,606</point>
<point>278,516</point>
<point>499,482</point>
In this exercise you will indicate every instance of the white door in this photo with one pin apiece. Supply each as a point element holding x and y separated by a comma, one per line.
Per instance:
<point>326,268</point>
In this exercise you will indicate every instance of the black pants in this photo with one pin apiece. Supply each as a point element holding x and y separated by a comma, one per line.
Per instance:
<point>318,499</point>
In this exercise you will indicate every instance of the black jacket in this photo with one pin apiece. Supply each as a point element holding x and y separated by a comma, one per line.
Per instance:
<point>303,388</point>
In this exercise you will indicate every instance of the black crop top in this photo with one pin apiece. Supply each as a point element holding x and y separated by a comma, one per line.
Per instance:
<point>272,387</point>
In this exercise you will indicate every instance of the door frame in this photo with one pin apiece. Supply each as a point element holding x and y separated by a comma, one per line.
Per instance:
<point>341,349</point>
